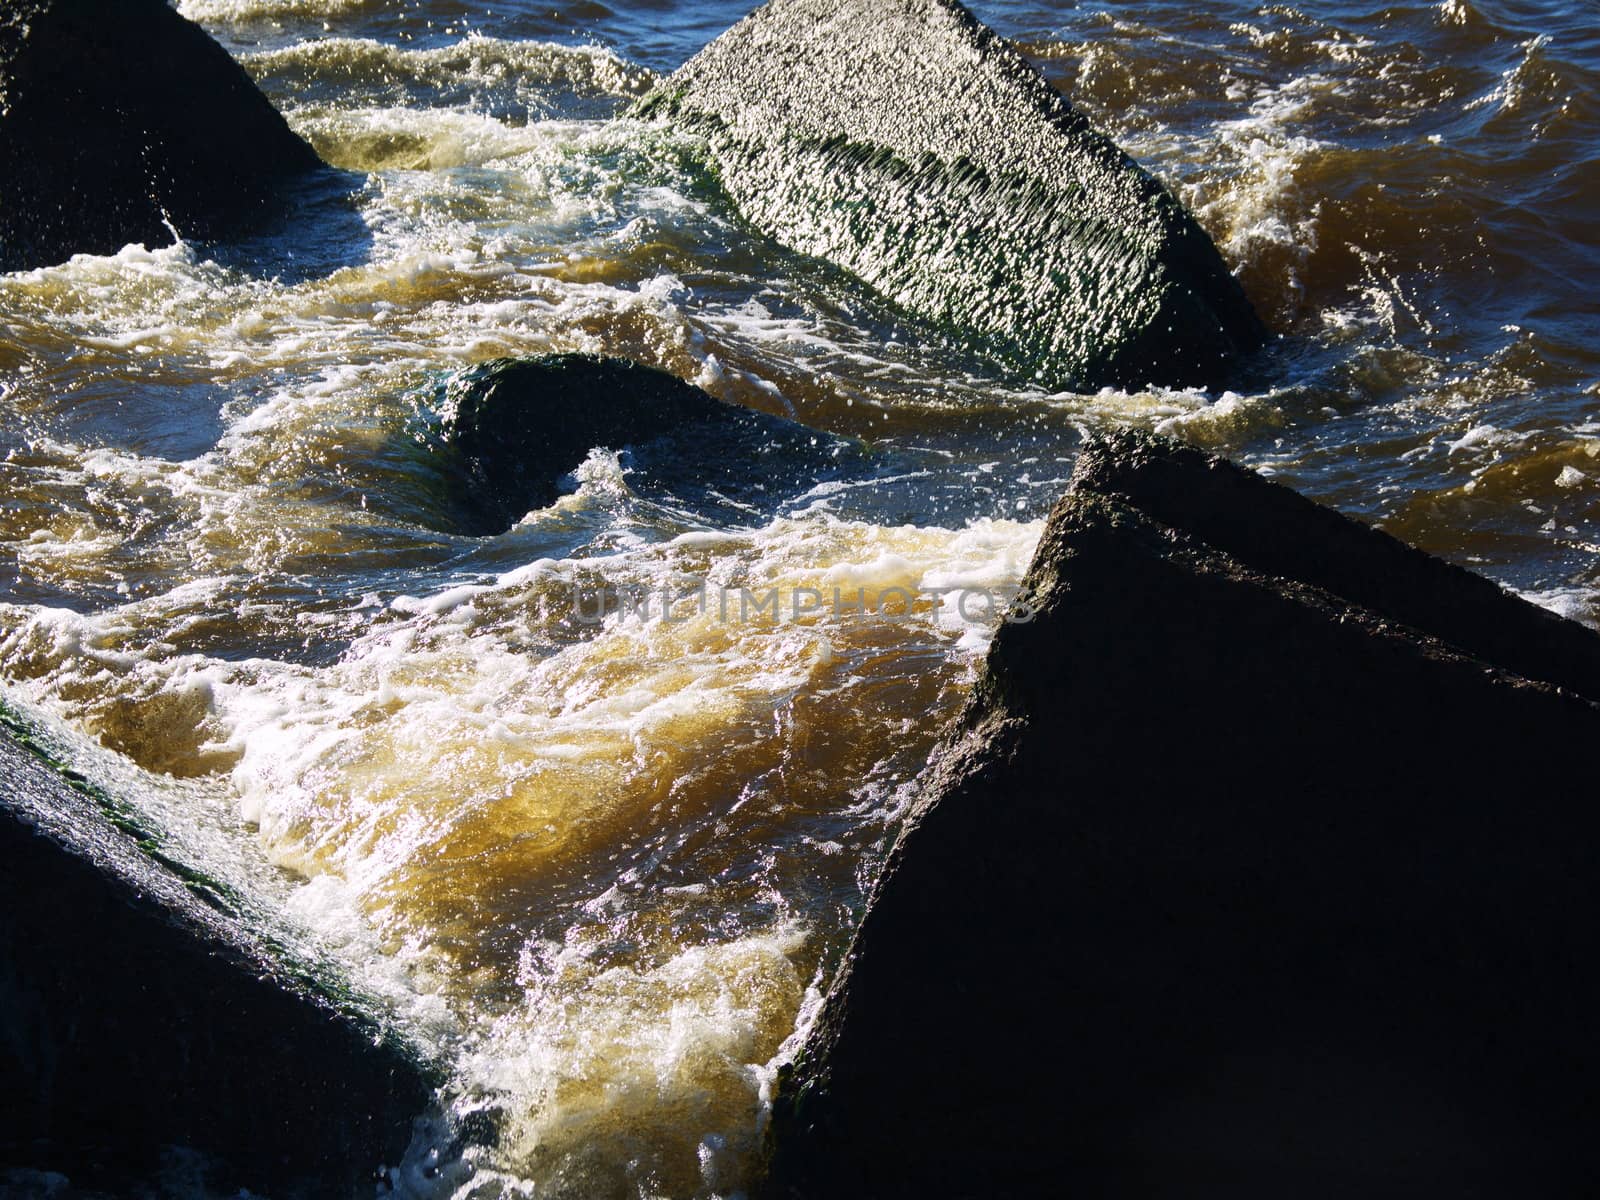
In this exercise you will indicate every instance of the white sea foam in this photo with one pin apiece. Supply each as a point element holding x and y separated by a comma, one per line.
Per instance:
<point>519,69</point>
<point>247,10</point>
<point>549,842</point>
<point>1575,603</point>
<point>441,761</point>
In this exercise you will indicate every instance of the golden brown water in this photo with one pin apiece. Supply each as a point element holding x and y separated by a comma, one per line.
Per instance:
<point>603,869</point>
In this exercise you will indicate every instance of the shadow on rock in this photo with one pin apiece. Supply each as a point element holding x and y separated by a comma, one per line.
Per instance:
<point>1261,864</point>
<point>122,122</point>
<point>514,429</point>
<point>146,1029</point>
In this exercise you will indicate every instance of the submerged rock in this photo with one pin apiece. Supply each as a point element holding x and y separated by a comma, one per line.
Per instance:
<point>120,121</point>
<point>142,1023</point>
<point>907,143</point>
<point>518,426</point>
<point>1261,864</point>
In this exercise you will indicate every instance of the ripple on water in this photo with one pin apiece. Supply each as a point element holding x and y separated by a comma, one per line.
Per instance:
<point>607,865</point>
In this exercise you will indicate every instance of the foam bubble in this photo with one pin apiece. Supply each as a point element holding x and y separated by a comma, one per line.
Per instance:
<point>256,10</point>
<point>475,72</point>
<point>502,800</point>
<point>606,1049</point>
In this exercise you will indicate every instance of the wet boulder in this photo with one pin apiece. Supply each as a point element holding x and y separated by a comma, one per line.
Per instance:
<point>516,428</point>
<point>908,144</point>
<point>120,121</point>
<point>1260,864</point>
<point>145,1028</point>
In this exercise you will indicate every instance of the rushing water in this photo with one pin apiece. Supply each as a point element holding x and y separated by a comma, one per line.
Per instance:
<point>603,870</point>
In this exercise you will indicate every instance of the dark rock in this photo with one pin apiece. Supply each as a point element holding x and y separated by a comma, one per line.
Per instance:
<point>517,426</point>
<point>120,121</point>
<point>1254,868</point>
<point>142,1023</point>
<point>1276,531</point>
<point>905,142</point>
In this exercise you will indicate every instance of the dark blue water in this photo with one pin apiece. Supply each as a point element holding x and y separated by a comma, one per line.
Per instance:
<point>1406,188</point>
<point>600,868</point>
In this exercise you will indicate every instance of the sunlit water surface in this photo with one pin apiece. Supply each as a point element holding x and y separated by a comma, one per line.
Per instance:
<point>603,869</point>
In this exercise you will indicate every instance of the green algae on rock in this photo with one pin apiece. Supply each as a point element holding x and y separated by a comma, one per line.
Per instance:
<point>908,144</point>
<point>141,1014</point>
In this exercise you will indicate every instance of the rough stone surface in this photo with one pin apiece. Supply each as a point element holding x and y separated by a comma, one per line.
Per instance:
<point>1253,869</point>
<point>120,121</point>
<point>910,145</point>
<point>1279,532</point>
<point>518,426</point>
<point>140,1020</point>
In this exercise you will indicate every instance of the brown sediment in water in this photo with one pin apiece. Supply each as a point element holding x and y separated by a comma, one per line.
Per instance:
<point>614,859</point>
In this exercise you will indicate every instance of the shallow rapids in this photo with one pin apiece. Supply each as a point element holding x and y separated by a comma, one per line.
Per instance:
<point>600,857</point>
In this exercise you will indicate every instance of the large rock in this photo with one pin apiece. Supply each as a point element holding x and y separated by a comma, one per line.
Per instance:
<point>120,121</point>
<point>1262,863</point>
<point>517,427</point>
<point>139,1018</point>
<point>910,145</point>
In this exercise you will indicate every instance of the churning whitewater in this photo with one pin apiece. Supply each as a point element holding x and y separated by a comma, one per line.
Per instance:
<point>600,856</point>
